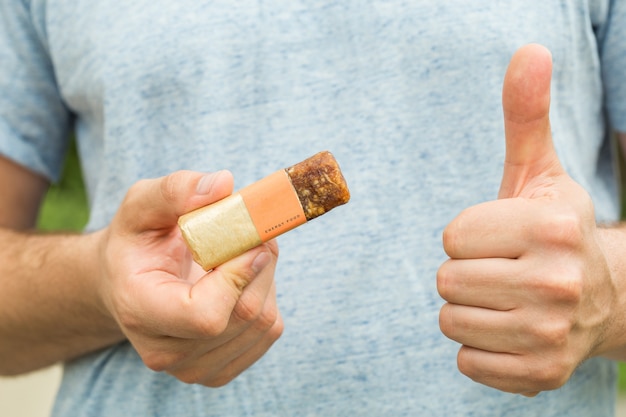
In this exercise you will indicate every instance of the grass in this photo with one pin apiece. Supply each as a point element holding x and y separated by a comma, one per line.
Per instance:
<point>65,205</point>
<point>65,208</point>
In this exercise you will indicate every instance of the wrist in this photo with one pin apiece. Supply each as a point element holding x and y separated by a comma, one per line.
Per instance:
<point>95,272</point>
<point>612,239</point>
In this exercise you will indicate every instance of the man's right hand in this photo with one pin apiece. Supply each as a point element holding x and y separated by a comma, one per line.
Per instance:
<point>200,327</point>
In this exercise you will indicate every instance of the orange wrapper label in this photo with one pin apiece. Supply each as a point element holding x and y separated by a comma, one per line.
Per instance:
<point>263,210</point>
<point>273,205</point>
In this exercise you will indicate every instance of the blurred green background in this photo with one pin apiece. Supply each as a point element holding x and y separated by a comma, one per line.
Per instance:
<point>65,208</point>
<point>65,205</point>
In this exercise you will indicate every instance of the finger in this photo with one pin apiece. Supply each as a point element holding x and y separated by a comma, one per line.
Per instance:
<point>481,328</point>
<point>530,155</point>
<point>492,283</point>
<point>218,365</point>
<point>258,292</point>
<point>494,229</point>
<point>197,360</point>
<point>510,372</point>
<point>203,310</point>
<point>247,359</point>
<point>157,203</point>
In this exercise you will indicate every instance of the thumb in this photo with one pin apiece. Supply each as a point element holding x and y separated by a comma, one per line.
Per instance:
<point>157,203</point>
<point>530,153</point>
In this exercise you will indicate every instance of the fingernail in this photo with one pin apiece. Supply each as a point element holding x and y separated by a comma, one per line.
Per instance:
<point>261,261</point>
<point>207,181</point>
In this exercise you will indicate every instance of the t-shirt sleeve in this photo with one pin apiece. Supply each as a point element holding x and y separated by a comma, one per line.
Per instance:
<point>34,122</point>
<point>612,44</point>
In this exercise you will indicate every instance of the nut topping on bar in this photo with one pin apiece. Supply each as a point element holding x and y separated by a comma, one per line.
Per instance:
<point>319,183</point>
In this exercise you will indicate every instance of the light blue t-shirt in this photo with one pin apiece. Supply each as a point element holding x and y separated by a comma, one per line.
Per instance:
<point>406,94</point>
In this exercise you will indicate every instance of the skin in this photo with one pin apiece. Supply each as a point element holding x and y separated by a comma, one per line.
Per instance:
<point>135,280</point>
<point>533,286</point>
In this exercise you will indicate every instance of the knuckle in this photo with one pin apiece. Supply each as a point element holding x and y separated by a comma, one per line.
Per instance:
<point>465,364</point>
<point>552,375</point>
<point>223,378</point>
<point>208,323</point>
<point>549,370</point>
<point>267,318</point>
<point>212,326</point>
<point>449,238</point>
<point>571,288</point>
<point>154,362</point>
<point>125,319</point>
<point>248,309</point>
<point>273,247</point>
<point>445,281</point>
<point>160,361</point>
<point>169,187</point>
<point>563,229</point>
<point>560,333</point>
<point>238,280</point>
<point>190,376</point>
<point>217,382</point>
<point>455,232</point>
<point>129,322</point>
<point>565,283</point>
<point>277,329</point>
<point>554,333</point>
<point>548,332</point>
<point>446,323</point>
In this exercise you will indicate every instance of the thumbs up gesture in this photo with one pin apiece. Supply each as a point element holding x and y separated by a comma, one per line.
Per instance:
<point>528,287</point>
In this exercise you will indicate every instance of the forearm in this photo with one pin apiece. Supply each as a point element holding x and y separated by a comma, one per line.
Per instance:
<point>50,309</point>
<point>614,243</point>
<point>613,240</point>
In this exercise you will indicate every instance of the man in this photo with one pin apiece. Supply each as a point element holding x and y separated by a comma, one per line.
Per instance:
<point>408,96</point>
